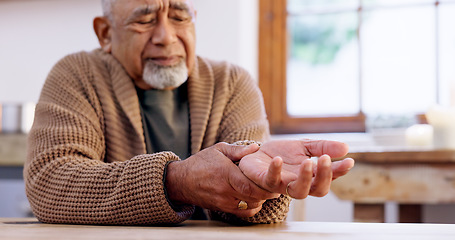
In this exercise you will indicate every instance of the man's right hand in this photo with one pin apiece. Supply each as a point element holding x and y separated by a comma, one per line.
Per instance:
<point>211,180</point>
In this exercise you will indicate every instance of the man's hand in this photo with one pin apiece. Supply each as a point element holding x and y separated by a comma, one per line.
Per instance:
<point>284,166</point>
<point>211,180</point>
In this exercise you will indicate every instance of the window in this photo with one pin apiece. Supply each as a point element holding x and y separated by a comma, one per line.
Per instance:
<point>334,65</point>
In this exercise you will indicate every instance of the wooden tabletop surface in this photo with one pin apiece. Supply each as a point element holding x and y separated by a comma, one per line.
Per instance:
<point>29,228</point>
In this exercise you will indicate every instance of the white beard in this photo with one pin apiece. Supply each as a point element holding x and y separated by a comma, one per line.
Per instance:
<point>162,77</point>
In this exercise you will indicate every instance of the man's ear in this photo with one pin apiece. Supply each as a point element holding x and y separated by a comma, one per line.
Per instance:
<point>102,28</point>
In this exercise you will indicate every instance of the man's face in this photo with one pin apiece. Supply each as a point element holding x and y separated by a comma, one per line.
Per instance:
<point>152,35</point>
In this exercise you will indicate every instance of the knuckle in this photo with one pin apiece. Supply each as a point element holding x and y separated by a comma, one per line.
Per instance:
<point>246,189</point>
<point>302,195</point>
<point>220,145</point>
<point>320,192</point>
<point>271,182</point>
<point>268,195</point>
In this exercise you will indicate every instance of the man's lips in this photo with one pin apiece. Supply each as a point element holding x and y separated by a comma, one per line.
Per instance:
<point>165,60</point>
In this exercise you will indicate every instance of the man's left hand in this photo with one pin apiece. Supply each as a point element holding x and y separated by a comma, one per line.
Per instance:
<point>284,166</point>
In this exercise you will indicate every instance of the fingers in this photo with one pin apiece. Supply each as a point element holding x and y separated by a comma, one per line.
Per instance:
<point>334,149</point>
<point>273,177</point>
<point>246,213</point>
<point>323,178</point>
<point>236,152</point>
<point>300,188</point>
<point>234,206</point>
<point>246,190</point>
<point>253,208</point>
<point>341,168</point>
<point>231,204</point>
<point>255,204</point>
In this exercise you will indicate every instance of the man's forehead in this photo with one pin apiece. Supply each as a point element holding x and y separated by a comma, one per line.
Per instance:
<point>157,4</point>
<point>128,10</point>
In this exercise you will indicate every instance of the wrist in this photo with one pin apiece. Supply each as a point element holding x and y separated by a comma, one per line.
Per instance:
<point>173,183</point>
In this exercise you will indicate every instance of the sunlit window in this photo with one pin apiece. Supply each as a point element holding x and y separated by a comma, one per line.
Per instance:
<point>376,57</point>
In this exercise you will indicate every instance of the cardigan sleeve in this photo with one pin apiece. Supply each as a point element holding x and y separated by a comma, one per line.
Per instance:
<point>67,174</point>
<point>244,118</point>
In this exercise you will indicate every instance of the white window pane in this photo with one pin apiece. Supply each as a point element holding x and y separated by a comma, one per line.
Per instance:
<point>368,3</point>
<point>306,5</point>
<point>447,53</point>
<point>399,66</point>
<point>323,74</point>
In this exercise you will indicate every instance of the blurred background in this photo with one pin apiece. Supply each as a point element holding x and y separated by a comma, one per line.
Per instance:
<point>381,62</point>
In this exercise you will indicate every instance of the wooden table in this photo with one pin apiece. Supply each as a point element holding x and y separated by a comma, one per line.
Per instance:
<point>408,176</point>
<point>28,228</point>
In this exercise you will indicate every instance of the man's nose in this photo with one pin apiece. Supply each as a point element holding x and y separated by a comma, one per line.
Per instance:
<point>164,33</point>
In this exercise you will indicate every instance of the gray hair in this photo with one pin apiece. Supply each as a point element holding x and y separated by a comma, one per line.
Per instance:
<point>106,6</point>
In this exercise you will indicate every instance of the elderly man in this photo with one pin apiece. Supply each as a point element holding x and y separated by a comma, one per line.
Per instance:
<point>112,126</point>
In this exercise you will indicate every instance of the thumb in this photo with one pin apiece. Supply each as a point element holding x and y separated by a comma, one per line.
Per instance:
<point>236,152</point>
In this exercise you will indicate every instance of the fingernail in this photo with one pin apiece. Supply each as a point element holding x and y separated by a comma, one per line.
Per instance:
<point>309,166</point>
<point>326,161</point>
<point>278,163</point>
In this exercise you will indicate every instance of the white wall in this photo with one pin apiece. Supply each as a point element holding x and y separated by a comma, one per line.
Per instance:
<point>35,34</point>
<point>227,30</point>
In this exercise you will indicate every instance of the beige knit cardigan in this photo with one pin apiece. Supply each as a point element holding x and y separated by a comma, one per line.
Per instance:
<point>87,161</point>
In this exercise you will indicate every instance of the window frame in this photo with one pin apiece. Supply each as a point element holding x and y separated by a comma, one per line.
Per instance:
<point>273,41</point>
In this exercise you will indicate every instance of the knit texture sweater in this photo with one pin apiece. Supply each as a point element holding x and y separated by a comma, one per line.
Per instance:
<point>87,161</point>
